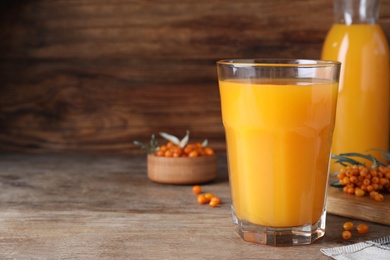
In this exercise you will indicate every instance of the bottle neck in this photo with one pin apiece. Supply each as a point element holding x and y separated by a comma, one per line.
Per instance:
<point>356,11</point>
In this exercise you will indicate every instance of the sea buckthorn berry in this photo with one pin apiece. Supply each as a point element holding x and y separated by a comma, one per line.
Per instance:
<point>366,182</point>
<point>382,169</point>
<point>359,192</point>
<point>346,235</point>
<point>193,154</point>
<point>187,148</point>
<point>168,153</point>
<point>373,194</point>
<point>362,228</point>
<point>379,197</point>
<point>160,153</point>
<point>215,201</point>
<point>177,150</point>
<point>364,172</point>
<point>202,199</point>
<point>348,226</point>
<point>201,152</point>
<point>213,204</point>
<point>375,180</point>
<point>208,151</point>
<point>197,189</point>
<point>346,180</point>
<point>208,196</point>
<point>341,175</point>
<point>384,181</point>
<point>351,190</point>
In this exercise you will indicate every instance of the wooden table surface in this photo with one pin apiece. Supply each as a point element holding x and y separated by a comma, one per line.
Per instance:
<point>104,207</point>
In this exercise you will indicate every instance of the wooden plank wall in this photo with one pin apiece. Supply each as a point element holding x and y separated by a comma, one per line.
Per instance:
<point>93,75</point>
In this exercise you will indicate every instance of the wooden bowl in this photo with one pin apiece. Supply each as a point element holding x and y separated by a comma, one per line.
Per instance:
<point>182,170</point>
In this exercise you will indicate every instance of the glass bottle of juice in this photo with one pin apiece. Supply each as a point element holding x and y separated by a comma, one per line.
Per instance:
<point>358,42</point>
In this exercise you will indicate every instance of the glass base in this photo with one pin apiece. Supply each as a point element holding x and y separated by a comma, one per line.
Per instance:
<point>291,236</point>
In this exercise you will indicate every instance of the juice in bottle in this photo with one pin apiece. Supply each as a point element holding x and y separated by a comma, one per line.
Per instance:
<point>278,141</point>
<point>362,119</point>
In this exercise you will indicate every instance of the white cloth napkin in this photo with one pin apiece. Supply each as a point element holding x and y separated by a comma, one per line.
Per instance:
<point>377,249</point>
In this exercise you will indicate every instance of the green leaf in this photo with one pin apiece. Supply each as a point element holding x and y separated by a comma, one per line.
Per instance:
<point>171,138</point>
<point>335,173</point>
<point>336,184</point>
<point>144,146</point>
<point>153,147</point>
<point>386,155</point>
<point>153,142</point>
<point>184,141</point>
<point>344,160</point>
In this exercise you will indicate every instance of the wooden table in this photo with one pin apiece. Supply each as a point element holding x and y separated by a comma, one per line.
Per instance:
<point>104,207</point>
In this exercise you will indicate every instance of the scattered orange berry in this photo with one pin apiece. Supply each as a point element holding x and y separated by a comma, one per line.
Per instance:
<point>346,234</point>
<point>215,201</point>
<point>202,199</point>
<point>196,189</point>
<point>213,204</point>
<point>208,196</point>
<point>348,226</point>
<point>362,228</point>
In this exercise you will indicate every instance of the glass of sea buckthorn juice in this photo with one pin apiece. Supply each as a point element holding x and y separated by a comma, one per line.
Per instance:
<point>279,118</point>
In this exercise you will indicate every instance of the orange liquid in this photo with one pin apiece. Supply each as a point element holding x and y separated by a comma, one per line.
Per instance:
<point>278,143</point>
<point>362,120</point>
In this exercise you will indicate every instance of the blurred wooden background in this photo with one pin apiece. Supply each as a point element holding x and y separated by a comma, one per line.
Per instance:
<point>93,75</point>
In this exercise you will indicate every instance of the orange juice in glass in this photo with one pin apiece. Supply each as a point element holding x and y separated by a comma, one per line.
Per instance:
<point>279,118</point>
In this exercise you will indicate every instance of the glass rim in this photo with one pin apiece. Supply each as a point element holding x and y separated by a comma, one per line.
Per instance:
<point>305,63</point>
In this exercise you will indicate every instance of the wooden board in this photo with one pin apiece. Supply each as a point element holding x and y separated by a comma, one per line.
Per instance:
<point>362,208</point>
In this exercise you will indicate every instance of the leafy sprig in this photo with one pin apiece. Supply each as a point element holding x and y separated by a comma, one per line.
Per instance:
<point>345,159</point>
<point>183,142</point>
<point>151,148</point>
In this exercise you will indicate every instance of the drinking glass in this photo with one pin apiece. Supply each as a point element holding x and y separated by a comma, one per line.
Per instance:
<point>279,117</point>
